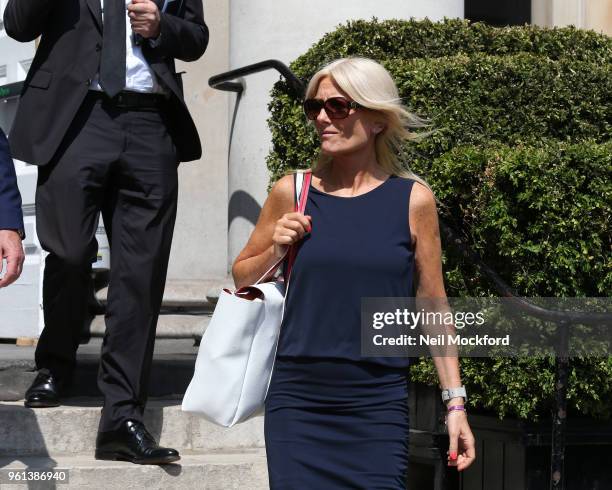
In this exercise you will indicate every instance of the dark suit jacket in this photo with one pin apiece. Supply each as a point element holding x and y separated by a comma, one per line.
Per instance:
<point>10,200</point>
<point>68,57</point>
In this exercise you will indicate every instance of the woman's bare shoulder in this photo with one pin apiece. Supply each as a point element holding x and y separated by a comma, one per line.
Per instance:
<point>422,200</point>
<point>281,194</point>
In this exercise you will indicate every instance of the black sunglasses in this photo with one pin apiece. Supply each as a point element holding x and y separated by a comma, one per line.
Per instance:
<point>335,107</point>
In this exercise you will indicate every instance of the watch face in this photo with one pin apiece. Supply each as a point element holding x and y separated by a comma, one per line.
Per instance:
<point>449,393</point>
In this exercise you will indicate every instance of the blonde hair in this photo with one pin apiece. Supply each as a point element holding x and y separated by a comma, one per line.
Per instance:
<point>369,84</point>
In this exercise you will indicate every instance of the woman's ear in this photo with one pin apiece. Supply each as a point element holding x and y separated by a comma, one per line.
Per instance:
<point>378,128</point>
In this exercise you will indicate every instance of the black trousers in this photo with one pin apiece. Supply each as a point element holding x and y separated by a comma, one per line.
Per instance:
<point>123,164</point>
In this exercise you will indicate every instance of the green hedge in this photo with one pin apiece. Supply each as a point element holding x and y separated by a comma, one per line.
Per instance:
<point>524,388</point>
<point>511,99</point>
<point>519,157</point>
<point>539,214</point>
<point>425,39</point>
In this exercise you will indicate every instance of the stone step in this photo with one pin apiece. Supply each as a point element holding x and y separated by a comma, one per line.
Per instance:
<point>170,373</point>
<point>181,293</point>
<point>171,370</point>
<point>223,471</point>
<point>168,326</point>
<point>170,376</point>
<point>71,429</point>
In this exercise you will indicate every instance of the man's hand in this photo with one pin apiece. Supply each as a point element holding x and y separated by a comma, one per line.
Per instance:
<point>12,251</point>
<point>144,18</point>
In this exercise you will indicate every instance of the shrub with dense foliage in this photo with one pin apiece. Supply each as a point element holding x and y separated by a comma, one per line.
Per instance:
<point>519,157</point>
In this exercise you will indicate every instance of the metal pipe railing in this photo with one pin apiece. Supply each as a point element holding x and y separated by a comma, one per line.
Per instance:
<point>504,290</point>
<point>223,81</point>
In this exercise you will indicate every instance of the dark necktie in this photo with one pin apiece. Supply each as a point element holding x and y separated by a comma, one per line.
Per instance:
<point>112,61</point>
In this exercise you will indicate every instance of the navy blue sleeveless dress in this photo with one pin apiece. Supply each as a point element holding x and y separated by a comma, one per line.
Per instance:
<point>335,419</point>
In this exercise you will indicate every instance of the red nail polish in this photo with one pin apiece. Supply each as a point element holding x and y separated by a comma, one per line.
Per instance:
<point>453,455</point>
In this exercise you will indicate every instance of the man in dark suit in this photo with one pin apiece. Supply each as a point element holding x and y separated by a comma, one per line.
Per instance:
<point>11,218</point>
<point>102,113</point>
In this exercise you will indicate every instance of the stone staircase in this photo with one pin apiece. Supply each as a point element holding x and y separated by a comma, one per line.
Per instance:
<point>63,438</point>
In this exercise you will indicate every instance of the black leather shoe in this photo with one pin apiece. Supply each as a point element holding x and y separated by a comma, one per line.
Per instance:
<point>44,391</point>
<point>132,442</point>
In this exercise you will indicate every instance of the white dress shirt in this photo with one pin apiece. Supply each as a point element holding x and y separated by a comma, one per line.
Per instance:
<point>139,77</point>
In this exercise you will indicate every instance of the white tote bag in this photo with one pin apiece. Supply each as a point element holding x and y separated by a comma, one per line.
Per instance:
<point>237,351</point>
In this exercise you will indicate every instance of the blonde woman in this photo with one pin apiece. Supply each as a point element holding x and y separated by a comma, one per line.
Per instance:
<point>335,419</point>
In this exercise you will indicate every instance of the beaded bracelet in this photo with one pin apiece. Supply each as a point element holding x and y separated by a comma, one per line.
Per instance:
<point>454,408</point>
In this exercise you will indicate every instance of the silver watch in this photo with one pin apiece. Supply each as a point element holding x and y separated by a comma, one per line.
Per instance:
<point>450,393</point>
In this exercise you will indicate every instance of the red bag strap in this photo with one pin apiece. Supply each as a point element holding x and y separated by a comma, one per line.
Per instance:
<point>300,206</point>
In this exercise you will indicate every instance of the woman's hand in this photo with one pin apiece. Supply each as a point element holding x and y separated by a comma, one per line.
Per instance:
<point>290,229</point>
<point>462,447</point>
<point>262,251</point>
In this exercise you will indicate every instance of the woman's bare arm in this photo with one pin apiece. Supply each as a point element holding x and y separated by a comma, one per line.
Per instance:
<point>428,260</point>
<point>431,293</point>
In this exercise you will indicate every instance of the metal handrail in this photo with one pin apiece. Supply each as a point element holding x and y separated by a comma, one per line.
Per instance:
<point>224,81</point>
<point>504,290</point>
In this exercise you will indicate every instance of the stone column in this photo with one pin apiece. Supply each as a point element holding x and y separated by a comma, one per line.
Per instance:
<point>585,14</point>
<point>199,248</point>
<point>598,16</point>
